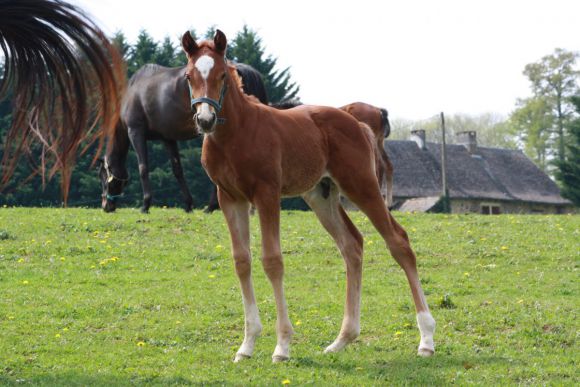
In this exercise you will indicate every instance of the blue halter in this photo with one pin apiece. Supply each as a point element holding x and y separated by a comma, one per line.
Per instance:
<point>217,105</point>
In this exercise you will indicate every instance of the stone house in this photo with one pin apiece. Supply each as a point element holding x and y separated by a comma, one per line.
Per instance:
<point>479,179</point>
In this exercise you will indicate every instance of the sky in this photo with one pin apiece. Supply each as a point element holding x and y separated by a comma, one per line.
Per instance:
<point>414,57</point>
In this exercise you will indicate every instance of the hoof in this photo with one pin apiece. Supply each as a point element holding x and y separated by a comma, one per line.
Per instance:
<point>425,352</point>
<point>144,210</point>
<point>241,356</point>
<point>279,358</point>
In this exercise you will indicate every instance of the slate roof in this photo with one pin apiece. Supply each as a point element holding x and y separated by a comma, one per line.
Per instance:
<point>489,173</point>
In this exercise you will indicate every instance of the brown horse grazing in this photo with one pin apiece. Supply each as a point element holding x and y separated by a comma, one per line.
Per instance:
<point>378,120</point>
<point>256,154</point>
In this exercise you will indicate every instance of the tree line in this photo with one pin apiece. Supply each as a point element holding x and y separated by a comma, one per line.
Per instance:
<point>543,125</point>
<point>30,188</point>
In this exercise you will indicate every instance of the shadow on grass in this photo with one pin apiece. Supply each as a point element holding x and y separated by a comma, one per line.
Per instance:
<point>433,371</point>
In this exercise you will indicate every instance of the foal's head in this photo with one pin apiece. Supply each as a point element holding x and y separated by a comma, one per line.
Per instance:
<point>206,73</point>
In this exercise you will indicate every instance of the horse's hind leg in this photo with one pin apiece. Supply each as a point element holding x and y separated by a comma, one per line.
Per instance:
<point>173,151</point>
<point>362,189</point>
<point>213,202</point>
<point>325,202</point>
<point>139,142</point>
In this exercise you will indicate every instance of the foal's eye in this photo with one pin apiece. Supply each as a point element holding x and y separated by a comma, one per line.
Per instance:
<point>186,76</point>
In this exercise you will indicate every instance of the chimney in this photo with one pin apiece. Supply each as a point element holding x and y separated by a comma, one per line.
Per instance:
<point>469,140</point>
<point>419,137</point>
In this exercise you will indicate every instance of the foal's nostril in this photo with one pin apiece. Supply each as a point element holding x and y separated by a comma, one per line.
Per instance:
<point>205,122</point>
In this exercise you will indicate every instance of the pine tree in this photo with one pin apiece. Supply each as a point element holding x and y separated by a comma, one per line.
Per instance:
<point>145,51</point>
<point>568,172</point>
<point>247,48</point>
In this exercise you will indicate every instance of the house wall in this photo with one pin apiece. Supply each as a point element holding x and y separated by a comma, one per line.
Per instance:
<point>460,206</point>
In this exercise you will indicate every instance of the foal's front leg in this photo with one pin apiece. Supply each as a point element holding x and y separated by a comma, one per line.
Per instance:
<point>268,206</point>
<point>237,217</point>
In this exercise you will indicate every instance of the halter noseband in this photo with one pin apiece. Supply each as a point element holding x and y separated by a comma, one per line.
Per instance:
<point>217,105</point>
<point>110,178</point>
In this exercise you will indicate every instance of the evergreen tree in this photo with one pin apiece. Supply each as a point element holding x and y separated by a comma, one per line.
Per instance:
<point>568,172</point>
<point>247,48</point>
<point>145,51</point>
<point>120,41</point>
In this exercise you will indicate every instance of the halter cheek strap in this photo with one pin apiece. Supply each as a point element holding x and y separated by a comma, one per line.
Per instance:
<point>217,105</point>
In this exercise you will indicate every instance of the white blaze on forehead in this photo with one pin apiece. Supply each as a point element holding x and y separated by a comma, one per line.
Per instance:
<point>204,65</point>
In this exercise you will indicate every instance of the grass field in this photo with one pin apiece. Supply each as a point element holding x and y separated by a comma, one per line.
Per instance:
<point>88,298</point>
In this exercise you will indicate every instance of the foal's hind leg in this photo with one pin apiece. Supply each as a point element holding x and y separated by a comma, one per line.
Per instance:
<point>362,189</point>
<point>326,204</point>
<point>173,151</point>
<point>237,217</point>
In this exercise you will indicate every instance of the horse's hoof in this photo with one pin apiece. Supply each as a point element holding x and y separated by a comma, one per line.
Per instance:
<point>144,210</point>
<point>241,356</point>
<point>279,358</point>
<point>425,352</point>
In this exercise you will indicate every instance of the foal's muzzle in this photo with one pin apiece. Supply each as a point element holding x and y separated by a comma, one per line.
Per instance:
<point>205,123</point>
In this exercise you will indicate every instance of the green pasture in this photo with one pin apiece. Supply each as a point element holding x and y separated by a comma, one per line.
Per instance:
<point>88,298</point>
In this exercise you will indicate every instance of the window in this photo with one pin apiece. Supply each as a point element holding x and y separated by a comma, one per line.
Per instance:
<point>490,209</point>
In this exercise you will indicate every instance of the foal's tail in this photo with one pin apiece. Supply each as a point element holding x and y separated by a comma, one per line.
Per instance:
<point>385,124</point>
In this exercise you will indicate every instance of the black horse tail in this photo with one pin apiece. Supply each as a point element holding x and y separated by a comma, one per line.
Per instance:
<point>385,124</point>
<point>65,77</point>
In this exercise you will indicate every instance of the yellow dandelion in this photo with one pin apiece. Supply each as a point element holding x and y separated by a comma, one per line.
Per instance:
<point>483,239</point>
<point>93,266</point>
<point>211,276</point>
<point>398,333</point>
<point>178,322</point>
<point>141,344</point>
<point>65,329</point>
<point>57,335</point>
<point>62,259</point>
<point>504,247</point>
<point>219,247</point>
<point>11,317</point>
<point>520,301</point>
<point>21,260</point>
<point>359,368</point>
<point>103,241</point>
<point>286,381</point>
<point>407,325</point>
<point>298,322</point>
<point>25,282</point>
<point>466,274</point>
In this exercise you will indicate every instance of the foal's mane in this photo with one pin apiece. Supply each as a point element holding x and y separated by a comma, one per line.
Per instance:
<point>238,82</point>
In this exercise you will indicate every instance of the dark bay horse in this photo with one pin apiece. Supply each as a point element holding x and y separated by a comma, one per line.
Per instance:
<point>156,107</point>
<point>257,154</point>
<point>65,77</point>
<point>378,120</point>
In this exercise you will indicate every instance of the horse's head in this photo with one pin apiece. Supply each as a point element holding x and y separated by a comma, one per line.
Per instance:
<point>206,74</point>
<point>112,186</point>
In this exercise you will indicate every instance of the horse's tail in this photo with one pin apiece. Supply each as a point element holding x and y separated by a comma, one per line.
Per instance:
<point>385,124</point>
<point>65,78</point>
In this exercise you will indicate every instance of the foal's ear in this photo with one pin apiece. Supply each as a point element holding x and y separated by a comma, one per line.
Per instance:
<point>188,43</point>
<point>220,41</point>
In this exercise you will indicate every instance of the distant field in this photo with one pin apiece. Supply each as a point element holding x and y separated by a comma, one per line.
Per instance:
<point>88,298</point>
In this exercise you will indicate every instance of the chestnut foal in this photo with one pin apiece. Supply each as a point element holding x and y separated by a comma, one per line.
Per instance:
<point>256,154</point>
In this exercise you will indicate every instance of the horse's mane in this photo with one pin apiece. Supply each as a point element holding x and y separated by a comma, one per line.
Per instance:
<point>238,82</point>
<point>65,77</point>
